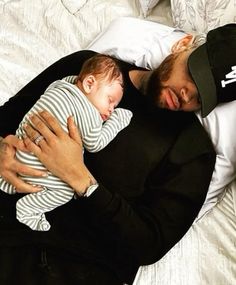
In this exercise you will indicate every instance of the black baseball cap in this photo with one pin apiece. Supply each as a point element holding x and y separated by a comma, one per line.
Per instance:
<point>213,68</point>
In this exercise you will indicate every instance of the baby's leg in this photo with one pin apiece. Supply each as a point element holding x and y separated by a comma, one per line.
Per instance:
<point>31,208</point>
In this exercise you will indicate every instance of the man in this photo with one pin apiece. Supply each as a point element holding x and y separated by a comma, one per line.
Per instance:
<point>198,78</point>
<point>150,188</point>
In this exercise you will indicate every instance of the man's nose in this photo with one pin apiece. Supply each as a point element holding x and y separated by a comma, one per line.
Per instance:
<point>185,96</point>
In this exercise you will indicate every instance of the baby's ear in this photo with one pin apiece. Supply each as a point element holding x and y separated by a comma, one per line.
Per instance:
<point>88,83</point>
<point>182,44</point>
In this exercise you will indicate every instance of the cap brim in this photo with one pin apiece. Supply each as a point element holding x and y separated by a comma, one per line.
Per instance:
<point>201,73</point>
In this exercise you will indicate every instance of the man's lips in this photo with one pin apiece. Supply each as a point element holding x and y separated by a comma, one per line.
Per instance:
<point>171,99</point>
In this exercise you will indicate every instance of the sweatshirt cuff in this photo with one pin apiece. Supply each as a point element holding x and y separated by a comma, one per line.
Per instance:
<point>99,200</point>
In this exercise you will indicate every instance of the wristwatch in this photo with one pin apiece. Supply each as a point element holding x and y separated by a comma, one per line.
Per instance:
<point>90,190</point>
<point>87,192</point>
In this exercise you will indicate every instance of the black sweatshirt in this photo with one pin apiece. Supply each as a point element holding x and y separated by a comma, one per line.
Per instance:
<point>153,178</point>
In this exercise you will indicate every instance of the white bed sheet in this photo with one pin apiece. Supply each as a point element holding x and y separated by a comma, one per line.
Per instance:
<point>34,34</point>
<point>206,255</point>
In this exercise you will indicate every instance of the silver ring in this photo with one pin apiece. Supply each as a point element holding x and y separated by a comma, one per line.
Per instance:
<point>38,140</point>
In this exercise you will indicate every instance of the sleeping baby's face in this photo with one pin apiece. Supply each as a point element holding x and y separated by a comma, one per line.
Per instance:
<point>106,95</point>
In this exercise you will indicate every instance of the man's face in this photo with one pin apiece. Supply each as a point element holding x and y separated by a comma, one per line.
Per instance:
<point>177,90</point>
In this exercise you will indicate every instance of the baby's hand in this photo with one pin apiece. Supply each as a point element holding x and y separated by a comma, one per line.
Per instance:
<point>123,115</point>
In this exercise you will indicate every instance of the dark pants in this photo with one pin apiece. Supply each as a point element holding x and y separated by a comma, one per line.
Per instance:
<point>34,266</point>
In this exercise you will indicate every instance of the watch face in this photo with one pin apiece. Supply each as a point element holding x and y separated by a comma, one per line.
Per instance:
<point>90,190</point>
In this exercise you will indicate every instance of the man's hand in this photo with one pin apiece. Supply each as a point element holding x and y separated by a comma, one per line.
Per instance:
<point>10,167</point>
<point>61,153</point>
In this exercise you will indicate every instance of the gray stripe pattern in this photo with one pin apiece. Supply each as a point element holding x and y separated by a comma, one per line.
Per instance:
<point>62,99</point>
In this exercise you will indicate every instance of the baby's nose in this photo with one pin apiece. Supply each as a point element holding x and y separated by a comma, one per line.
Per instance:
<point>111,108</point>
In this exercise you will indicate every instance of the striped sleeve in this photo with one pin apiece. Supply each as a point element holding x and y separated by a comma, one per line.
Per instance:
<point>96,138</point>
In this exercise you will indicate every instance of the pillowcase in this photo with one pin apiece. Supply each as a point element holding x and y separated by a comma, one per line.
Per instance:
<point>202,15</point>
<point>73,6</point>
<point>147,6</point>
<point>220,125</point>
<point>137,41</point>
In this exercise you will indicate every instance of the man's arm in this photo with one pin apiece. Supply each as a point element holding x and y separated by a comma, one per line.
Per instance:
<point>148,229</point>
<point>144,229</point>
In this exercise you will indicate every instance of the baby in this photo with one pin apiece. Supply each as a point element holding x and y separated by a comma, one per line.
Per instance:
<point>91,97</point>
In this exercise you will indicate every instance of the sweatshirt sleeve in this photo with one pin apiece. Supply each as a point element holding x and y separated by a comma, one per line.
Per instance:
<point>149,226</point>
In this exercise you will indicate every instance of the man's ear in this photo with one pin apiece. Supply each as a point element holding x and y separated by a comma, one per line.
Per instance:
<point>182,44</point>
<point>88,83</point>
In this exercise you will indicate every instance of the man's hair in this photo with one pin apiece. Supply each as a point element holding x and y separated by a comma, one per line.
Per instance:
<point>103,67</point>
<point>198,40</point>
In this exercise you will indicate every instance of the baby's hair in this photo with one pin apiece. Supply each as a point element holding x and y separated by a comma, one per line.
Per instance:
<point>103,67</point>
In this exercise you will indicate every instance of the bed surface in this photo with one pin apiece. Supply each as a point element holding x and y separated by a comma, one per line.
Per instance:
<point>33,35</point>
<point>205,256</point>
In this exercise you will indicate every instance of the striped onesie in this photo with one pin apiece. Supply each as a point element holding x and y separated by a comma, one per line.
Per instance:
<point>62,99</point>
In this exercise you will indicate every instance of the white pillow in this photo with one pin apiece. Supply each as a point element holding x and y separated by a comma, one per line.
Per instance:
<point>203,15</point>
<point>220,125</point>
<point>137,41</point>
<point>147,6</point>
<point>73,6</point>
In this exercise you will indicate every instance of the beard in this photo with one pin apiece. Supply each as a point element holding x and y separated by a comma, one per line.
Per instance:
<point>153,88</point>
<point>156,81</point>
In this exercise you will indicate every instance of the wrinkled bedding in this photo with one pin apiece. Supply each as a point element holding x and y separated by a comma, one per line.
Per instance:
<point>33,35</point>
